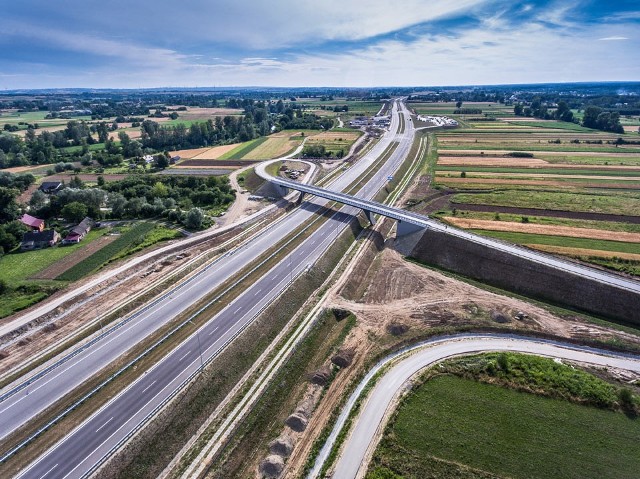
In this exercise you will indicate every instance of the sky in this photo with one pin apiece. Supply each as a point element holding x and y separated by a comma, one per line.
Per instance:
<point>335,43</point>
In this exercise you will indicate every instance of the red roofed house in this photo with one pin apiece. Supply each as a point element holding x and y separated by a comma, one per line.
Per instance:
<point>32,222</point>
<point>78,232</point>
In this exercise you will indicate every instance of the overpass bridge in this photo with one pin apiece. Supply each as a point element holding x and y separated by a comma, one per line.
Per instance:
<point>408,222</point>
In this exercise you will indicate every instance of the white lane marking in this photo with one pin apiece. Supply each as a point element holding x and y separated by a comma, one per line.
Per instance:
<point>213,330</point>
<point>107,422</point>
<point>238,310</point>
<point>257,292</point>
<point>142,392</point>
<point>186,354</point>
<point>48,471</point>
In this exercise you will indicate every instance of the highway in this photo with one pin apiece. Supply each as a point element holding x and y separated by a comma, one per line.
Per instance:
<point>359,445</point>
<point>78,453</point>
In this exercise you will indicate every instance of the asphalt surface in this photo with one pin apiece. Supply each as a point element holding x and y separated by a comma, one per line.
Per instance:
<point>84,447</point>
<point>362,440</point>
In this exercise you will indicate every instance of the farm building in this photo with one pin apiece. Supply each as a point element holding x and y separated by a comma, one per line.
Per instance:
<point>50,187</point>
<point>78,232</point>
<point>39,239</point>
<point>32,222</point>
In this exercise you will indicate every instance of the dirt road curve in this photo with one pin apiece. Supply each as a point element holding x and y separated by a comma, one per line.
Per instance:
<point>361,443</point>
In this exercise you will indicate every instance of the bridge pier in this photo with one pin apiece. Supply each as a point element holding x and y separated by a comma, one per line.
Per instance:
<point>300,198</point>
<point>404,228</point>
<point>369,216</point>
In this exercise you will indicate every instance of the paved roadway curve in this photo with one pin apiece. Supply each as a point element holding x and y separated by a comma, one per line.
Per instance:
<point>359,445</point>
<point>76,454</point>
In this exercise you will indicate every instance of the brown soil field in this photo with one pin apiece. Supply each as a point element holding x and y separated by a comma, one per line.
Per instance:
<point>540,175</point>
<point>578,215</point>
<point>213,163</point>
<point>584,252</point>
<point>552,230</point>
<point>493,161</point>
<point>334,135</point>
<point>532,137</point>
<point>216,152</point>
<point>630,129</point>
<point>195,113</point>
<point>542,153</point>
<point>133,133</point>
<point>85,177</point>
<point>25,169</point>
<point>498,181</point>
<point>42,128</point>
<point>59,267</point>
<point>522,163</point>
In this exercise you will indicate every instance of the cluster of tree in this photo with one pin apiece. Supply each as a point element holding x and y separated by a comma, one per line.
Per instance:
<point>229,129</point>
<point>319,151</point>
<point>137,196</point>
<point>538,109</point>
<point>303,121</point>
<point>595,117</point>
<point>467,111</point>
<point>11,230</point>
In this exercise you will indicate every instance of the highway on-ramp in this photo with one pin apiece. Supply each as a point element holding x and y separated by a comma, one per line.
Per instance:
<point>78,453</point>
<point>359,445</point>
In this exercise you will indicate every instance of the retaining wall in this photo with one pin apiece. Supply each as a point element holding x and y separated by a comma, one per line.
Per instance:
<point>526,277</point>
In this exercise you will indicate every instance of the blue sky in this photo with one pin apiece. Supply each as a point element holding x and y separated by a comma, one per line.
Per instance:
<point>154,43</point>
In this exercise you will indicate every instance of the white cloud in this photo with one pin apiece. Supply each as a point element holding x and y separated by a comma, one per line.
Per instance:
<point>608,39</point>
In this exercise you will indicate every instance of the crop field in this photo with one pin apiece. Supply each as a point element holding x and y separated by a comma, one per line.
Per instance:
<point>451,426</point>
<point>238,155</point>
<point>546,169</point>
<point>335,141</point>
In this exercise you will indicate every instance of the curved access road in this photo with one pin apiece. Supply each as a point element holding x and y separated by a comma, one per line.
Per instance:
<point>360,443</point>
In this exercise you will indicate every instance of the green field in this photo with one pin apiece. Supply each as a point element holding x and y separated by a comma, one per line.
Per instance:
<point>586,243</point>
<point>620,204</point>
<point>132,237</point>
<point>458,428</point>
<point>561,125</point>
<point>18,267</point>
<point>548,220</point>
<point>241,150</point>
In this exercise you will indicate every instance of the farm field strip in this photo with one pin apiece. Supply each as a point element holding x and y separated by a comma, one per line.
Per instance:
<point>558,153</point>
<point>562,167</point>
<point>552,230</point>
<point>524,163</point>
<point>565,250</point>
<point>528,239</point>
<point>580,184</point>
<point>610,174</point>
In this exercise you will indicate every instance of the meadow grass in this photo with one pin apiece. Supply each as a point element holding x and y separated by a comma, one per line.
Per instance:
<point>18,267</point>
<point>451,424</point>
<point>620,204</point>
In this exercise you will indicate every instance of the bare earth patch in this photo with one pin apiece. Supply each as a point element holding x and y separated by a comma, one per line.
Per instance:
<point>591,233</point>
